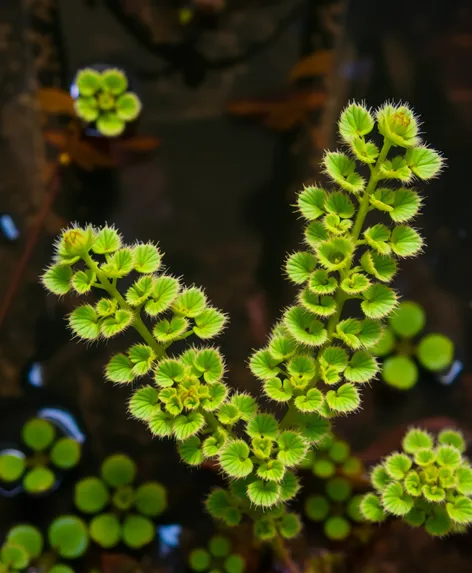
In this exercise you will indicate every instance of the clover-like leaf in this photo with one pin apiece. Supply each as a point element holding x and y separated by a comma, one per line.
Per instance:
<point>120,263</point>
<point>341,168</point>
<point>365,151</point>
<point>377,237</point>
<point>107,241</point>
<point>128,106</point>
<point>209,364</point>
<point>82,281</point>
<point>323,306</point>
<point>88,81</point>
<point>68,536</point>
<point>142,358</point>
<point>164,291</point>
<point>379,477</point>
<point>245,404</point>
<point>170,330</point>
<point>460,510</point>
<point>355,121</point>
<point>271,470</point>
<point>379,301</point>
<point>57,279</point>
<point>396,168</point>
<point>382,267</point>
<point>348,331</point>
<point>188,425</point>
<point>339,204</point>
<point>120,369</point>
<point>299,266</point>
<point>282,347</point>
<point>334,357</point>
<point>370,333</point>
<point>305,327</point>
<point>400,372</point>
<point>113,325</point>
<point>371,508</point>
<point>448,456</point>
<point>344,399</point>
<point>292,448</point>
<point>311,202</point>
<point>161,424</point>
<point>263,493</point>
<point>190,302</point>
<point>405,241</point>
<point>65,453</point>
<point>413,484</point>
<point>453,438</point>
<point>209,323</point>
<point>355,284</point>
<point>395,500</point>
<point>425,163</point>
<point>315,234</point>
<point>140,291</point>
<point>263,426</point>
<point>464,480</point>
<point>406,204</point>
<point>322,283</point>
<point>144,403</point>
<point>278,390</point>
<point>435,352</point>
<point>12,466</point>
<point>416,439</point>
<point>38,434</point>
<point>382,199</point>
<point>335,254</point>
<point>84,322</point>
<point>398,465</point>
<point>234,459</point>
<point>362,367</point>
<point>309,402</point>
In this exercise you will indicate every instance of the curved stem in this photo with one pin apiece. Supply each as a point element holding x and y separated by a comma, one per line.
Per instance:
<point>284,554</point>
<point>138,323</point>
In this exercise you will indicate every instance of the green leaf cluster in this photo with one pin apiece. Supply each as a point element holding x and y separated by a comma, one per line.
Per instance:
<point>338,506</point>
<point>121,511</point>
<point>401,343</point>
<point>428,484</point>
<point>216,557</point>
<point>317,358</point>
<point>105,101</point>
<point>45,452</point>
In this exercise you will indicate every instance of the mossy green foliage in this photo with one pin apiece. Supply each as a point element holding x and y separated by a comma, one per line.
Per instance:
<point>401,344</point>
<point>104,100</point>
<point>337,507</point>
<point>46,451</point>
<point>429,484</point>
<point>317,360</point>
<point>218,556</point>
<point>122,511</point>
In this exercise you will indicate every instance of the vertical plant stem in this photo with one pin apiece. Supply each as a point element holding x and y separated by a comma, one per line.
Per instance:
<point>364,204</point>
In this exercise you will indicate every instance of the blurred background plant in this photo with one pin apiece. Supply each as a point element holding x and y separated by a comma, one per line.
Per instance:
<point>46,452</point>
<point>403,345</point>
<point>129,509</point>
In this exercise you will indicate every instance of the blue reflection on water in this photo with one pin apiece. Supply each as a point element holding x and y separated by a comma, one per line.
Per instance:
<point>35,375</point>
<point>451,375</point>
<point>8,227</point>
<point>64,420</point>
<point>169,537</point>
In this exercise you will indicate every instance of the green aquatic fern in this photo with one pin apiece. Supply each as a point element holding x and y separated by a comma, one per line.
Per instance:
<point>217,557</point>
<point>399,346</point>
<point>428,484</point>
<point>121,511</point>
<point>45,453</point>
<point>104,100</point>
<point>318,359</point>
